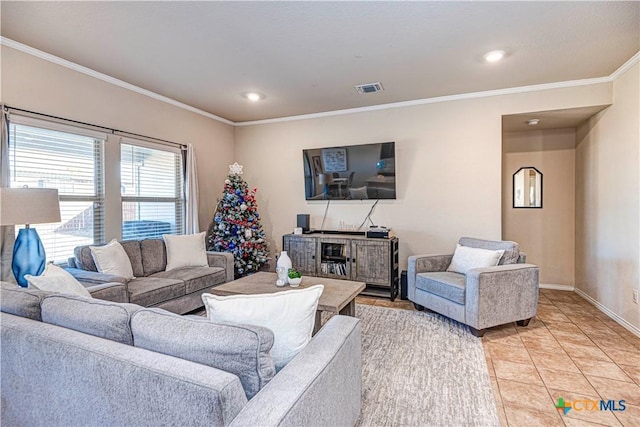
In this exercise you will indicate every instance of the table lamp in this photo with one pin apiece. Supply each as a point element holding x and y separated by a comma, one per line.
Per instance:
<point>28,206</point>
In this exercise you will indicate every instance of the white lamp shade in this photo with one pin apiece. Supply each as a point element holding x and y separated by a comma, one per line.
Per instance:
<point>29,206</point>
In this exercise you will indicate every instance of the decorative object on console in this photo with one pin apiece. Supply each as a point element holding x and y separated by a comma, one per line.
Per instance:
<point>236,226</point>
<point>28,206</point>
<point>302,221</point>
<point>292,328</point>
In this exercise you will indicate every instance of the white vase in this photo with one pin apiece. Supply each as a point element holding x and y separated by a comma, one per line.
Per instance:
<point>284,261</point>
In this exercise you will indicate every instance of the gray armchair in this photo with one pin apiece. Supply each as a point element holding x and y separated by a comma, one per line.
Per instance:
<point>481,298</point>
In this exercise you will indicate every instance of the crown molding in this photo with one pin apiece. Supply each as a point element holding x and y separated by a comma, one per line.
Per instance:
<point>625,67</point>
<point>464,96</point>
<point>448,98</point>
<point>111,80</point>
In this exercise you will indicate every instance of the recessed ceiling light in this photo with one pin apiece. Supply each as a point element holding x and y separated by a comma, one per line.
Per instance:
<point>253,96</point>
<point>494,55</point>
<point>533,122</point>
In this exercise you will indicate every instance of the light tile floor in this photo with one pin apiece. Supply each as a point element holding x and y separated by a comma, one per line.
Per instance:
<point>571,350</point>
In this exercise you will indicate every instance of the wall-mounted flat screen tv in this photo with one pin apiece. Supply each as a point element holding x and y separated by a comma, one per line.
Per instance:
<point>351,172</point>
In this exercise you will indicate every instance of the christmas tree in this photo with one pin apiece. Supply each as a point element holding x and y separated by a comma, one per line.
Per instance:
<point>236,225</point>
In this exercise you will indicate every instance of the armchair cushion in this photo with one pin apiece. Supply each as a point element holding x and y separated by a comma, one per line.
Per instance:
<point>444,284</point>
<point>466,258</point>
<point>511,249</point>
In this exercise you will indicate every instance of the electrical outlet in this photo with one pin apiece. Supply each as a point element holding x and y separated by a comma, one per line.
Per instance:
<point>635,296</point>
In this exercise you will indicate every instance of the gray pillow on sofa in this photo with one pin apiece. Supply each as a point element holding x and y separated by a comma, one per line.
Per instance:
<point>104,319</point>
<point>242,350</point>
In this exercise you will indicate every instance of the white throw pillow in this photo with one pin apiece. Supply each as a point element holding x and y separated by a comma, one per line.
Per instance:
<point>466,258</point>
<point>56,279</point>
<point>185,251</point>
<point>289,314</point>
<point>112,259</point>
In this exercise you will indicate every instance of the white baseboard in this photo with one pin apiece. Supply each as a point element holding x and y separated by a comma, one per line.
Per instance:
<point>557,287</point>
<point>628,326</point>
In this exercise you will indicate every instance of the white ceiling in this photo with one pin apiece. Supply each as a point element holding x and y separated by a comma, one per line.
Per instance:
<point>306,57</point>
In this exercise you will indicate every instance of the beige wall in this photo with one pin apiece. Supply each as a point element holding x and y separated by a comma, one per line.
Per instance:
<point>547,235</point>
<point>607,201</point>
<point>439,147</point>
<point>34,84</point>
<point>449,166</point>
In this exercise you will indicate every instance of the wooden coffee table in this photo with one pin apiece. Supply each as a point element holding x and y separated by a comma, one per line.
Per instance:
<point>337,297</point>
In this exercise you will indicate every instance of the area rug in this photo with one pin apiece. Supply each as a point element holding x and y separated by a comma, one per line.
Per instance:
<point>422,369</point>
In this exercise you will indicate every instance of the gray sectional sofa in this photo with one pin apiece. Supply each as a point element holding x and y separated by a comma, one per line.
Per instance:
<point>69,360</point>
<point>178,291</point>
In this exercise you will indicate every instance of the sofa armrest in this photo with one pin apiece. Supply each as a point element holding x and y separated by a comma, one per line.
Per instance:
<point>423,264</point>
<point>94,277</point>
<point>224,260</point>
<point>116,292</point>
<point>501,294</point>
<point>321,386</point>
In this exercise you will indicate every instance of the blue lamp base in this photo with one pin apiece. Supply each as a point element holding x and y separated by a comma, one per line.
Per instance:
<point>28,255</point>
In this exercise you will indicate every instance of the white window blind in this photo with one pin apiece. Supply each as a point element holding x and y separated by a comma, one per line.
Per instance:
<point>50,155</point>
<point>151,180</point>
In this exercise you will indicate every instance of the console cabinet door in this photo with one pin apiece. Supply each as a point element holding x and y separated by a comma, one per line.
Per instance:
<point>302,251</point>
<point>334,258</point>
<point>371,262</point>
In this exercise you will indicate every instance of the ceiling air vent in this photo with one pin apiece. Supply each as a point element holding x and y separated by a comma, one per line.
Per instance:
<point>369,88</point>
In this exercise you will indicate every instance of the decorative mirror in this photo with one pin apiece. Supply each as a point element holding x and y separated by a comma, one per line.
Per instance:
<point>527,188</point>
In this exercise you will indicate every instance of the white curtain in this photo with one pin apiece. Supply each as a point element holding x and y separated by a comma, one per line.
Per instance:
<point>191,193</point>
<point>7,233</point>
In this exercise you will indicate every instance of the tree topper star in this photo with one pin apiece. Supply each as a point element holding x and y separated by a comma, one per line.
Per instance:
<point>235,169</point>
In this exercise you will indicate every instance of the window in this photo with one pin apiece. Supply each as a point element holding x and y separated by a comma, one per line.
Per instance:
<point>151,181</point>
<point>49,155</point>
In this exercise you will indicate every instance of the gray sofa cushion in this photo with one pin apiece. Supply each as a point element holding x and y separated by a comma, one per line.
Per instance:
<point>444,284</point>
<point>240,349</point>
<point>84,260</point>
<point>154,256</point>
<point>104,319</point>
<point>54,376</point>
<point>148,291</point>
<point>195,278</point>
<point>511,249</point>
<point>132,248</point>
<point>23,302</point>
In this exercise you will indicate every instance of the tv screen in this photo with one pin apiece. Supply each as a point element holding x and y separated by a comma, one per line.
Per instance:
<point>352,172</point>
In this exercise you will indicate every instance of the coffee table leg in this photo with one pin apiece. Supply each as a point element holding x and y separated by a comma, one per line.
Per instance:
<point>349,309</point>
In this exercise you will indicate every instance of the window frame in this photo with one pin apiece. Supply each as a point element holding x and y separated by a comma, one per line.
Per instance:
<point>97,199</point>
<point>179,183</point>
